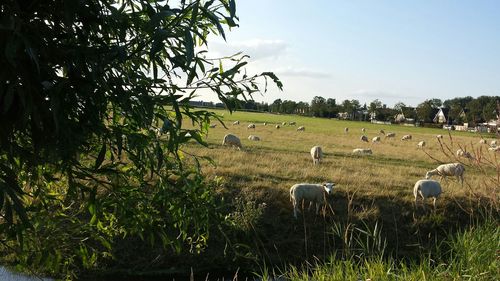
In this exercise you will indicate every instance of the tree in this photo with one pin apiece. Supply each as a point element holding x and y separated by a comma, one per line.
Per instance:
<point>425,111</point>
<point>86,88</point>
<point>318,106</point>
<point>399,105</point>
<point>276,106</point>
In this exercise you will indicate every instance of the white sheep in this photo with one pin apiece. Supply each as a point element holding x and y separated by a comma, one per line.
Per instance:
<point>495,149</point>
<point>253,138</point>
<point>482,141</point>
<point>232,140</point>
<point>451,169</point>
<point>363,130</point>
<point>236,122</point>
<point>314,193</point>
<point>301,128</point>
<point>382,132</point>
<point>362,151</point>
<point>406,137</point>
<point>493,143</point>
<point>465,154</point>
<point>316,154</point>
<point>292,123</point>
<point>213,125</point>
<point>427,189</point>
<point>251,126</point>
<point>439,136</point>
<point>364,138</point>
<point>376,139</point>
<point>283,123</point>
<point>278,126</point>
<point>421,144</point>
<point>390,135</point>
<point>265,123</point>
<point>346,130</point>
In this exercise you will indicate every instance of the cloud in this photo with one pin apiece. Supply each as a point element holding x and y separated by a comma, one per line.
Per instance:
<point>257,49</point>
<point>302,72</point>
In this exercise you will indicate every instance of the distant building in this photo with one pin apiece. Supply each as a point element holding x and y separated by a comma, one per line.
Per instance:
<point>441,116</point>
<point>406,115</point>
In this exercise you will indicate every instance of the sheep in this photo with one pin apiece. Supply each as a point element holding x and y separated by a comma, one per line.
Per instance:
<point>406,137</point>
<point>314,193</point>
<point>251,126</point>
<point>364,138</point>
<point>439,136</point>
<point>390,135</point>
<point>301,128</point>
<point>421,144</point>
<point>493,143</point>
<point>451,169</point>
<point>346,130</point>
<point>265,123</point>
<point>316,154</point>
<point>253,138</point>
<point>465,154</point>
<point>283,123</point>
<point>213,125</point>
<point>292,123</point>
<point>232,140</point>
<point>382,132</point>
<point>363,130</point>
<point>427,189</point>
<point>376,139</point>
<point>496,148</point>
<point>482,141</point>
<point>278,126</point>
<point>362,151</point>
<point>236,122</point>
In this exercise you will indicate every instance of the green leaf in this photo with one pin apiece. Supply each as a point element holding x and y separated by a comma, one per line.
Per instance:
<point>100,157</point>
<point>189,45</point>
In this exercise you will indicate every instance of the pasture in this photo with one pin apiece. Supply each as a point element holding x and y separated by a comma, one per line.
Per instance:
<point>372,192</point>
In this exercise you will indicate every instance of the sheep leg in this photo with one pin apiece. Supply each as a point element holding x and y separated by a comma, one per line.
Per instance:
<point>434,203</point>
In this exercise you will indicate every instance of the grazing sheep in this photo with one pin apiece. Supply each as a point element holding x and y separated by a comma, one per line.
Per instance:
<point>292,123</point>
<point>213,125</point>
<point>363,130</point>
<point>283,123</point>
<point>493,143</point>
<point>464,154</point>
<point>346,130</point>
<point>236,122</point>
<point>253,138</point>
<point>439,136</point>
<point>421,144</point>
<point>362,151</point>
<point>406,137</point>
<point>301,128</point>
<point>376,139</point>
<point>364,138</point>
<point>316,154</point>
<point>382,132</point>
<point>390,135</point>
<point>251,126</point>
<point>482,141</point>
<point>314,193</point>
<point>451,169</point>
<point>427,189</point>
<point>496,148</point>
<point>265,123</point>
<point>232,140</point>
<point>278,126</point>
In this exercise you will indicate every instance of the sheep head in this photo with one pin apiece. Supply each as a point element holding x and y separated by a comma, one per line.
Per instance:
<point>329,187</point>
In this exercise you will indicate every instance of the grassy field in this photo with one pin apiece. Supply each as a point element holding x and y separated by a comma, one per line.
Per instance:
<point>373,198</point>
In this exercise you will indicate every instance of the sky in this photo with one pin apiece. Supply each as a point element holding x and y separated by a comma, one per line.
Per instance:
<point>394,51</point>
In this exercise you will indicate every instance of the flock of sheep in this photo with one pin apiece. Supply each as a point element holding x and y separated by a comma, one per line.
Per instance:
<point>317,193</point>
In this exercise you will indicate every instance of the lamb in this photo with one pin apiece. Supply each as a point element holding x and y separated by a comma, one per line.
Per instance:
<point>451,169</point>
<point>316,154</point>
<point>421,144</point>
<point>362,151</point>
<point>251,126</point>
<point>390,135</point>
<point>236,122</point>
<point>301,128</point>
<point>232,140</point>
<point>376,139</point>
<point>253,138</point>
<point>314,193</point>
<point>364,138</point>
<point>465,154</point>
<point>406,137</point>
<point>427,189</point>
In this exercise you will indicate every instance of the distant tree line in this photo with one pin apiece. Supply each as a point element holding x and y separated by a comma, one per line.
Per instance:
<point>458,110</point>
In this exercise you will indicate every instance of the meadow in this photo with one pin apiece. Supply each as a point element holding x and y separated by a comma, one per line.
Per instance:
<point>371,213</point>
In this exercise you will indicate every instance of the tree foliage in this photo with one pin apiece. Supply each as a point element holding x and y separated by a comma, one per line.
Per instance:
<point>93,98</point>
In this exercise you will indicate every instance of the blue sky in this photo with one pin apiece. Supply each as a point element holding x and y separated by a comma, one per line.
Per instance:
<point>393,51</point>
